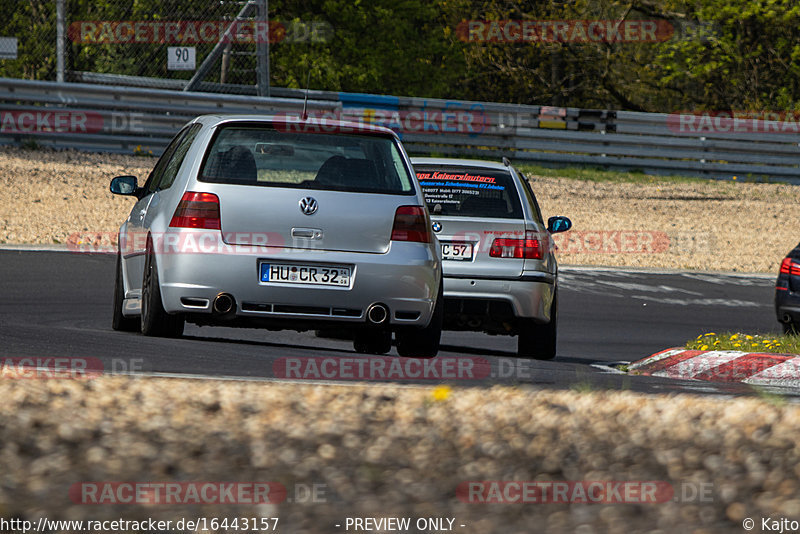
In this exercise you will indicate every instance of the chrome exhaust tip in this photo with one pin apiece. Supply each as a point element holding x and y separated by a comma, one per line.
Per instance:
<point>224,304</point>
<point>377,313</point>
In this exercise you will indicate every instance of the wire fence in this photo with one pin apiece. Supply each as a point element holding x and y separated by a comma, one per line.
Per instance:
<point>209,45</point>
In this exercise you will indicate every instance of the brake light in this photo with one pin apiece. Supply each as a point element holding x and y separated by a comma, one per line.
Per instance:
<point>197,210</point>
<point>788,266</point>
<point>411,223</point>
<point>529,248</point>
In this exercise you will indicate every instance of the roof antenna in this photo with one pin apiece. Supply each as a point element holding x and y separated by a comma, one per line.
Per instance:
<point>506,161</point>
<point>305,99</point>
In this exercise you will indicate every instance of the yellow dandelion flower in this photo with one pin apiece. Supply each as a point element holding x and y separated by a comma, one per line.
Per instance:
<point>704,347</point>
<point>441,393</point>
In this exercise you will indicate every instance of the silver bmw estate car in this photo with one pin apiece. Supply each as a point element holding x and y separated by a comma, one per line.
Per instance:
<point>500,273</point>
<point>278,222</point>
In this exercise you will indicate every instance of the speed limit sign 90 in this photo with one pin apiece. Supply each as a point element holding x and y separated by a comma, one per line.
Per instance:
<point>180,58</point>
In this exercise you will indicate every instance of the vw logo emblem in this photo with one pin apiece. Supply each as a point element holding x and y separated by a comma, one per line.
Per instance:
<point>309,205</point>
<point>436,227</point>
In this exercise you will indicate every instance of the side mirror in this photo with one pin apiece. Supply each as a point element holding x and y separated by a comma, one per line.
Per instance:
<point>124,185</point>
<point>558,224</point>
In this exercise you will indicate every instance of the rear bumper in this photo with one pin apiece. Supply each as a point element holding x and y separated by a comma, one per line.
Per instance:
<point>530,297</point>
<point>405,279</point>
<point>787,302</point>
<point>789,309</point>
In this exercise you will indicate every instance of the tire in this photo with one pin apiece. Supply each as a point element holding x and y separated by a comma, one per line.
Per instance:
<point>791,329</point>
<point>423,342</point>
<point>538,341</point>
<point>155,320</point>
<point>118,321</point>
<point>372,341</point>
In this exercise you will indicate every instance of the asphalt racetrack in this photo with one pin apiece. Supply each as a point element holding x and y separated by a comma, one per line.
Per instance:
<point>58,304</point>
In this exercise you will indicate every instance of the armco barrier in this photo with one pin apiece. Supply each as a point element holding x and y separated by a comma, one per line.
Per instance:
<point>121,118</point>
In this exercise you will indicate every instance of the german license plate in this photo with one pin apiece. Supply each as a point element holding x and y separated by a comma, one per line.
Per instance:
<point>457,251</point>
<point>321,275</point>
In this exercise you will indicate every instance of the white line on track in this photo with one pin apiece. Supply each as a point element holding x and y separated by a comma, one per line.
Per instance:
<point>644,270</point>
<point>610,367</point>
<point>36,248</point>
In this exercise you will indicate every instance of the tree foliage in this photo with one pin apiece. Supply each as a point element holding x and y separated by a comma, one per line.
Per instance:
<point>722,54</point>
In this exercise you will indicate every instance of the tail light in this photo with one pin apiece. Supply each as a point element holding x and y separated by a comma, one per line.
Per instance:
<point>197,210</point>
<point>529,248</point>
<point>790,267</point>
<point>411,224</point>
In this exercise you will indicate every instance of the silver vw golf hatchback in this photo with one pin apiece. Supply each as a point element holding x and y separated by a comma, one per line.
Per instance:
<point>272,222</point>
<point>500,273</point>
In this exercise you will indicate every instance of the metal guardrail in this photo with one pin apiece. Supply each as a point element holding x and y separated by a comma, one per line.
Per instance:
<point>121,118</point>
<point>118,119</point>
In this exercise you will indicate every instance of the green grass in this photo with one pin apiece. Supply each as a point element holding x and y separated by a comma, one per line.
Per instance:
<point>746,343</point>
<point>595,174</point>
<point>776,399</point>
<point>584,386</point>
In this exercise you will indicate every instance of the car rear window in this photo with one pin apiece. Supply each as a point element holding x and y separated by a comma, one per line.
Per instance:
<point>469,192</point>
<point>263,156</point>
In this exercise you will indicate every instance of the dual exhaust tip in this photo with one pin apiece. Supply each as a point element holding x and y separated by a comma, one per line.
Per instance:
<point>225,305</point>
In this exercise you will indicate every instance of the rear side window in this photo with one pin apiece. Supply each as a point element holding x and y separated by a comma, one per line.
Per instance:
<point>537,213</point>
<point>470,192</point>
<point>157,173</point>
<point>170,170</point>
<point>262,156</point>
